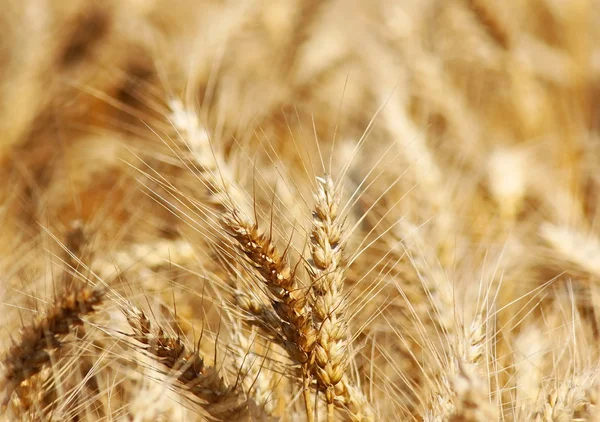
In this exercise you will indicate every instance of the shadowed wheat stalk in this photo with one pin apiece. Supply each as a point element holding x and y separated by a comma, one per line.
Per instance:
<point>29,354</point>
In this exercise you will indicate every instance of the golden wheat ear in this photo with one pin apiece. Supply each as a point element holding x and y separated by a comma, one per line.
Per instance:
<point>221,401</point>
<point>326,269</point>
<point>31,353</point>
<point>297,331</point>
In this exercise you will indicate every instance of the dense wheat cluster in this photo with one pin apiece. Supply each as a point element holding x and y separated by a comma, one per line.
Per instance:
<point>262,210</point>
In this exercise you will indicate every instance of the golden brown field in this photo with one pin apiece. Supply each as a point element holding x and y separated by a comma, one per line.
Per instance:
<point>262,210</point>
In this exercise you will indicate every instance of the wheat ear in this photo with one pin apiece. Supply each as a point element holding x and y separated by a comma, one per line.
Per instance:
<point>464,395</point>
<point>30,354</point>
<point>326,270</point>
<point>208,163</point>
<point>221,401</point>
<point>217,176</point>
<point>288,301</point>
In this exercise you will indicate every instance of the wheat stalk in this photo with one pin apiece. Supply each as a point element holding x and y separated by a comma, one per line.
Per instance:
<point>287,299</point>
<point>30,353</point>
<point>326,271</point>
<point>221,401</point>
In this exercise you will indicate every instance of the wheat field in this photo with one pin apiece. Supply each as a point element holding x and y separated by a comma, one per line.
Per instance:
<point>299,210</point>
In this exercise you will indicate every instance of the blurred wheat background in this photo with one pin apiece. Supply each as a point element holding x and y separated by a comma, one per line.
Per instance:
<point>299,210</point>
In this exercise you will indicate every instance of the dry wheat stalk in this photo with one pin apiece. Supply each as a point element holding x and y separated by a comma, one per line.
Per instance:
<point>464,392</point>
<point>208,164</point>
<point>221,401</point>
<point>349,397</point>
<point>289,302</point>
<point>465,399</point>
<point>212,171</point>
<point>30,354</point>
<point>346,395</point>
<point>326,270</point>
<point>286,322</point>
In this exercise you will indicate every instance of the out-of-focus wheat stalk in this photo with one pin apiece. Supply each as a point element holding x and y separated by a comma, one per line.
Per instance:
<point>29,354</point>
